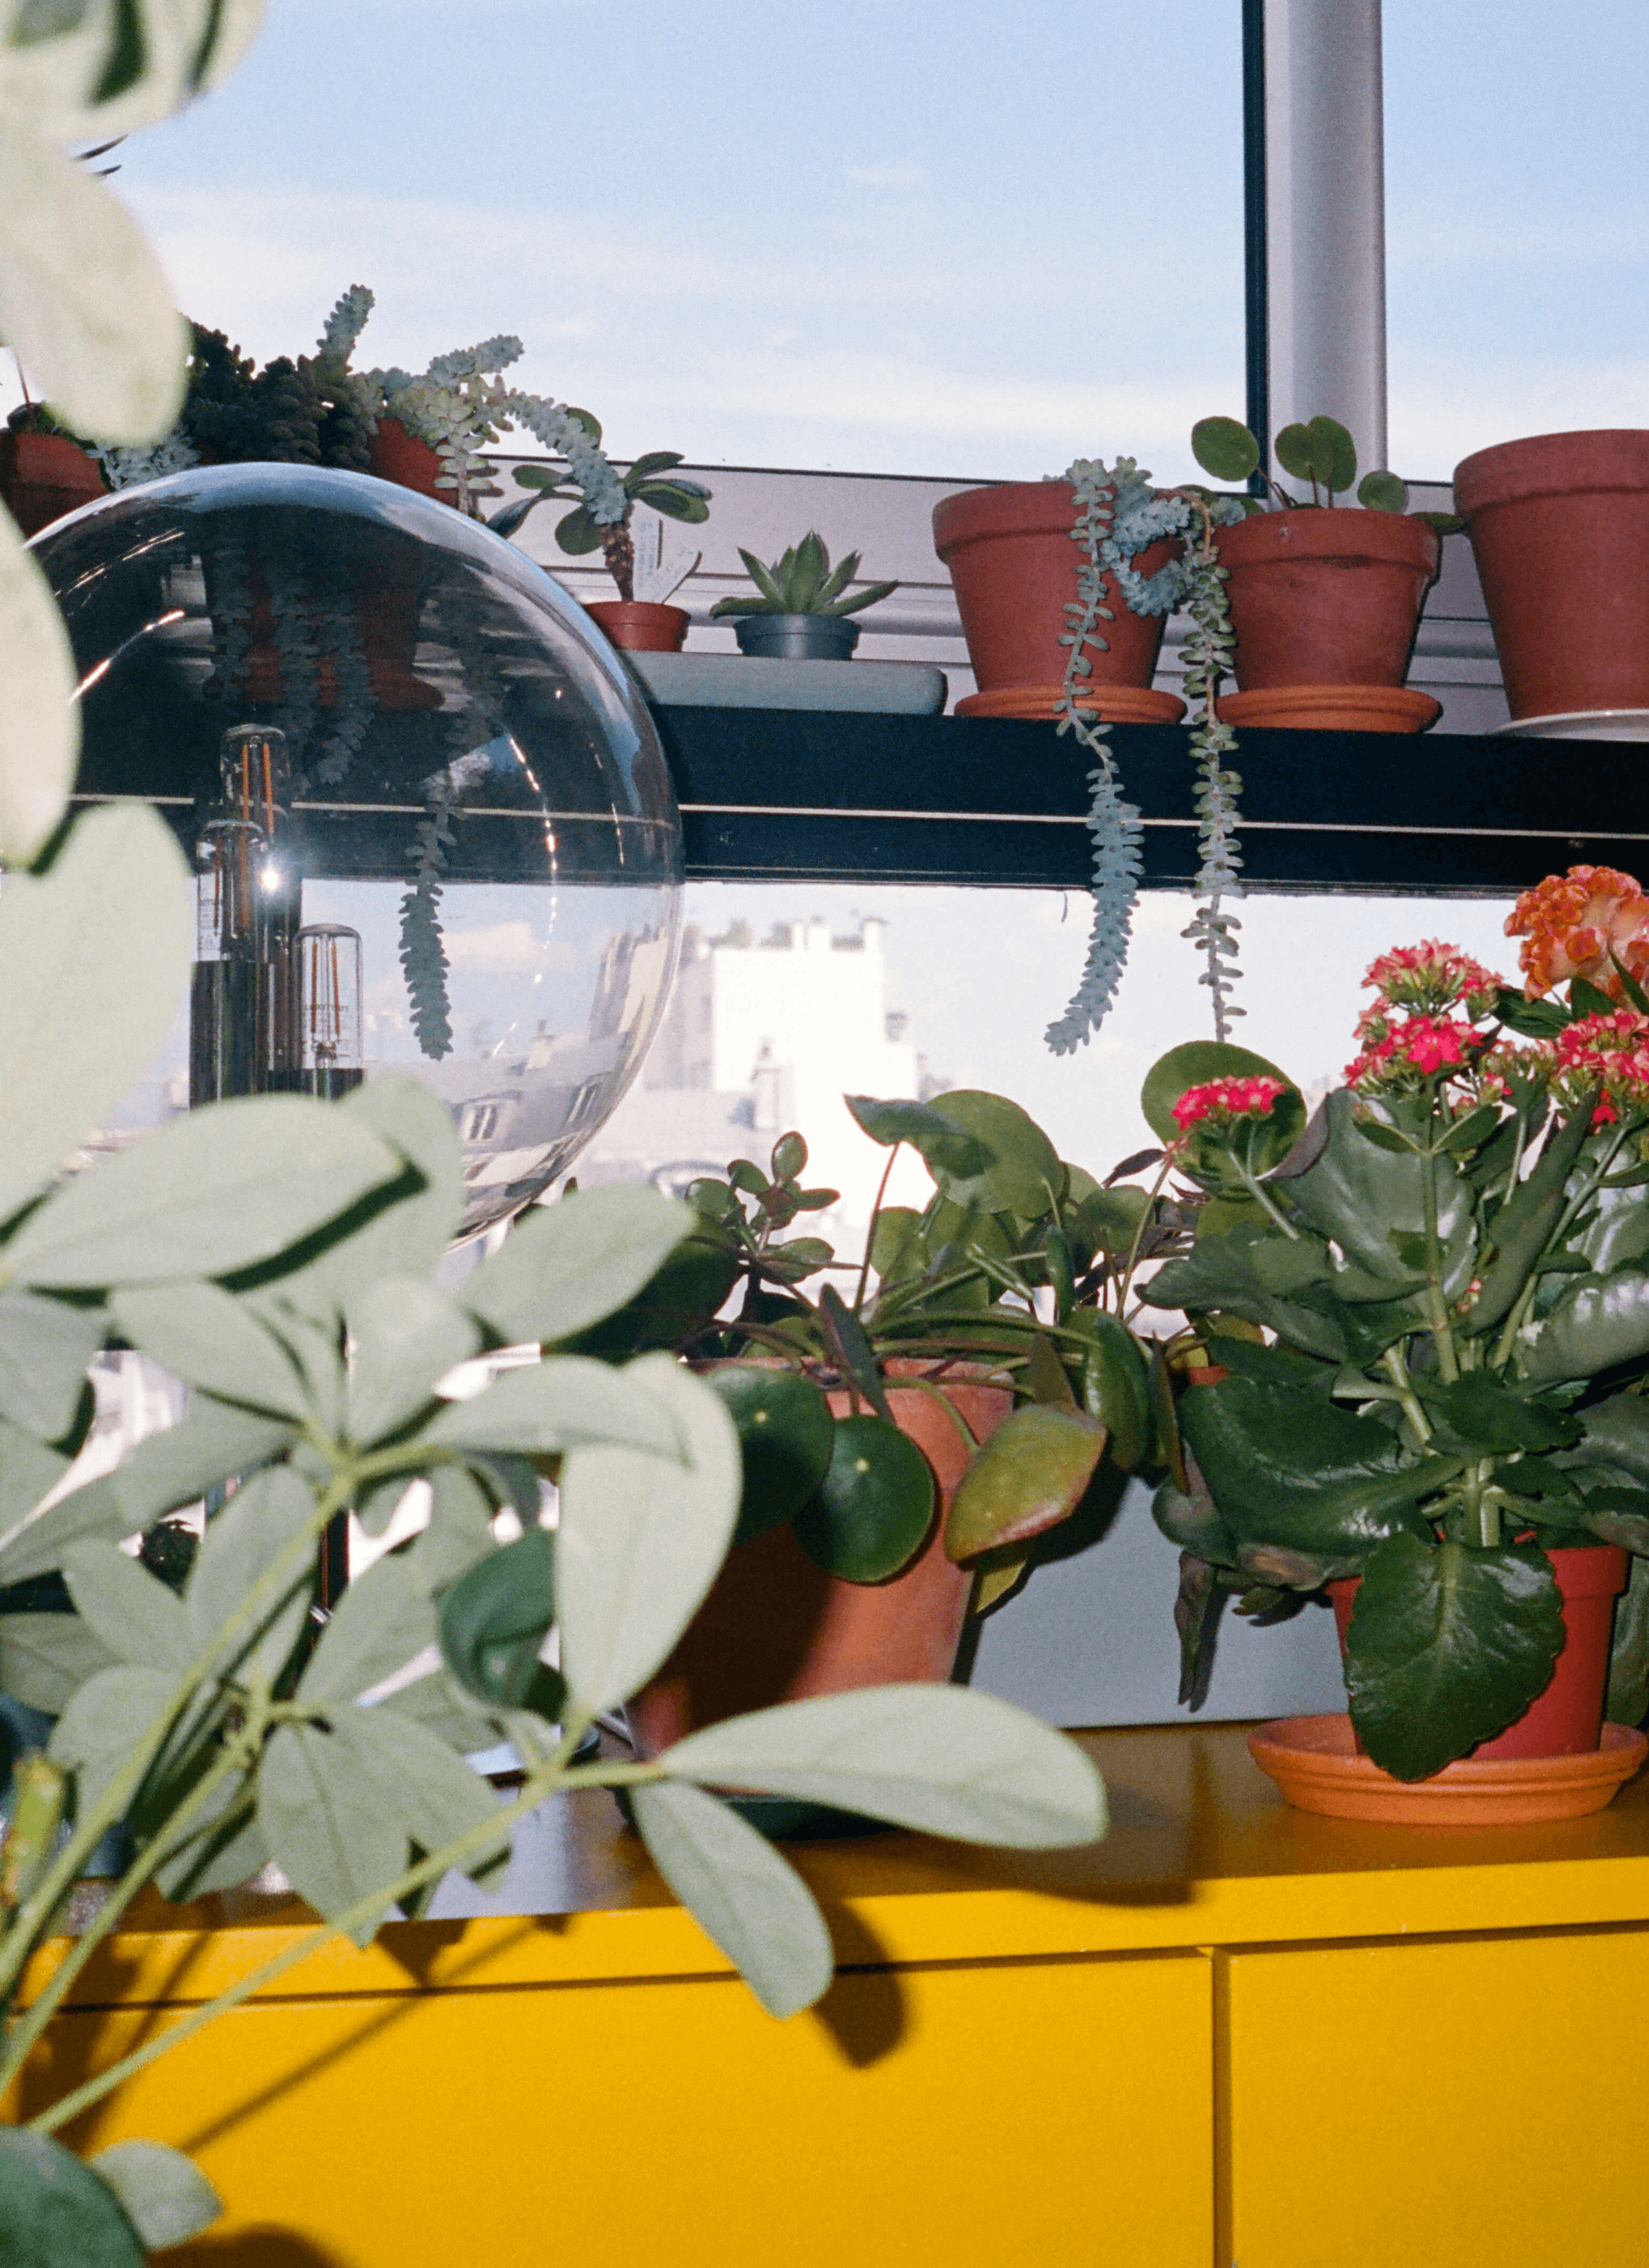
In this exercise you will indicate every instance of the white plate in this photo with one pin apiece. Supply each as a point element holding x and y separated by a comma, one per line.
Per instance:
<point>1579,724</point>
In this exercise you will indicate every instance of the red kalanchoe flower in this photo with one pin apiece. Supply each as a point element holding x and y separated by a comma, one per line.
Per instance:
<point>1224,1100</point>
<point>1578,924</point>
<point>1431,976</point>
<point>1401,1047</point>
<point>1609,1052</point>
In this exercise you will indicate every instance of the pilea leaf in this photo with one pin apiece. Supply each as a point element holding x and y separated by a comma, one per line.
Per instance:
<point>785,1437</point>
<point>494,1619</point>
<point>870,1513</point>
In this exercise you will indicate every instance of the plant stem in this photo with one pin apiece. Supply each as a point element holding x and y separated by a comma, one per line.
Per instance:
<point>551,1779</point>
<point>1395,1369</point>
<point>1125,1282</point>
<point>870,1233</point>
<point>1437,1306</point>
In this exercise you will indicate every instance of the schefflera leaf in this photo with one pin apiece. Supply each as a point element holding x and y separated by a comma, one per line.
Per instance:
<point>745,1897</point>
<point>939,1758</point>
<point>58,2213</point>
<point>1448,1646</point>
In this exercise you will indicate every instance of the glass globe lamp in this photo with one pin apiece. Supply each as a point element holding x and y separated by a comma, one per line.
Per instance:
<point>432,828</point>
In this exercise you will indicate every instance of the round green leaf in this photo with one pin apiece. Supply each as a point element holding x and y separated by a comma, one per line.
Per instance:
<point>1383,492</point>
<point>55,2211</point>
<point>1030,1474</point>
<point>494,1619</point>
<point>577,532</point>
<point>1194,1064</point>
<point>787,1434</point>
<point>789,1156</point>
<point>1296,453</point>
<point>1225,448</point>
<point>870,1513</point>
<point>1026,1175</point>
<point>1336,455</point>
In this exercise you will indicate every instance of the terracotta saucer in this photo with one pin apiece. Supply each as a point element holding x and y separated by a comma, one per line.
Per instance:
<point>1333,708</point>
<point>1313,1760</point>
<point>1115,704</point>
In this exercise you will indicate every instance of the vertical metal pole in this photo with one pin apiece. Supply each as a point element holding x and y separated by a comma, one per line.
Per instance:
<point>1326,217</point>
<point>1255,289</point>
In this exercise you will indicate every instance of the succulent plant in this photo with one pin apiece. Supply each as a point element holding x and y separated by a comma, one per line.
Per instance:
<point>652,480</point>
<point>803,582</point>
<point>1320,451</point>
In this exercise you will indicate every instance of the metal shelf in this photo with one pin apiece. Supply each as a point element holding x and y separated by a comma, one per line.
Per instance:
<point>780,795</point>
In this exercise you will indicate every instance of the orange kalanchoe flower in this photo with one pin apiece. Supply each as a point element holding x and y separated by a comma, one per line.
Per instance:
<point>1578,924</point>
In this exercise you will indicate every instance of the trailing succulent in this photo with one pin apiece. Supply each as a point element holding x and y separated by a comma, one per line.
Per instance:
<point>803,582</point>
<point>1018,1273</point>
<point>1118,516</point>
<point>1423,1325</point>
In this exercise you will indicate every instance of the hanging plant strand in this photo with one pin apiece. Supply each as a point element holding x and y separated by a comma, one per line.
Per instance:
<point>1119,516</point>
<point>1208,651</point>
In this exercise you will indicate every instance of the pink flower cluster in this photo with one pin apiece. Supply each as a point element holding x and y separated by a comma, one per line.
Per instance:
<point>1431,976</point>
<point>1224,1099</point>
<point>1611,1052</point>
<point>1398,1047</point>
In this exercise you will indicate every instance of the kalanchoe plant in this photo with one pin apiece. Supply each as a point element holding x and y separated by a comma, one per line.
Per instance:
<point>652,480</point>
<point>1428,1319</point>
<point>803,582</point>
<point>1018,1269</point>
<point>1319,452</point>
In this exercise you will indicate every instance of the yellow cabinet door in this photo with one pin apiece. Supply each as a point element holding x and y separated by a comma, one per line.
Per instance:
<point>1455,2103</point>
<point>957,2117</point>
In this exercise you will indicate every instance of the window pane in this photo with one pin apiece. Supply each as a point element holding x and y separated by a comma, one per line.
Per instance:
<point>1517,222</point>
<point>933,236</point>
<point>793,994</point>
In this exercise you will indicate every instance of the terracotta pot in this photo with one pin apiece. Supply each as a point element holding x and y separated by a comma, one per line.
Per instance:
<point>775,1628</point>
<point>394,454</point>
<point>43,476</point>
<point>1014,563</point>
<point>640,625</point>
<point>1559,526</point>
<point>1567,1718</point>
<point>1327,597</point>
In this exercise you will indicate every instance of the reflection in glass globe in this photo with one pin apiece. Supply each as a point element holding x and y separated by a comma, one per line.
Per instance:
<point>431,824</point>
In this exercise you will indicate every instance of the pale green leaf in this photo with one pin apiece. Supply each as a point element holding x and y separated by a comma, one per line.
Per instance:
<point>564,1267</point>
<point>45,1349</point>
<point>132,1611</point>
<point>460,1531</point>
<point>326,1823</point>
<point>565,1403</point>
<point>381,1622</point>
<point>936,1758</point>
<point>260,1528</point>
<point>204,1335</point>
<point>44,1659</point>
<point>315,1345</point>
<point>40,734</point>
<point>641,1537</point>
<point>29,1468</point>
<point>744,1896</point>
<point>438,1797</point>
<point>96,952</point>
<point>82,301</point>
<point>97,1731</point>
<point>217,1190</point>
<point>407,1336</point>
<point>55,2210</point>
<point>232,1854</point>
<point>187,47</point>
<point>165,2196</point>
<point>437,1702</point>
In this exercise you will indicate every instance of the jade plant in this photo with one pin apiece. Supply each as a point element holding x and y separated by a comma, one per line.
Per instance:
<point>1421,1326</point>
<point>1020,1271</point>
<point>652,480</point>
<point>1319,452</point>
<point>276,1254</point>
<point>802,582</point>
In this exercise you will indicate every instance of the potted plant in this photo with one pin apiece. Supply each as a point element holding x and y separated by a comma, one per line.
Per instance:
<point>1422,1331</point>
<point>1325,601</point>
<point>1560,528</point>
<point>906,1446</point>
<point>1009,549</point>
<point>44,471</point>
<point>802,604</point>
<point>639,620</point>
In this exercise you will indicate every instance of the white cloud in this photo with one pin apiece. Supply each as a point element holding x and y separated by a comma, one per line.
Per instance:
<point>905,174</point>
